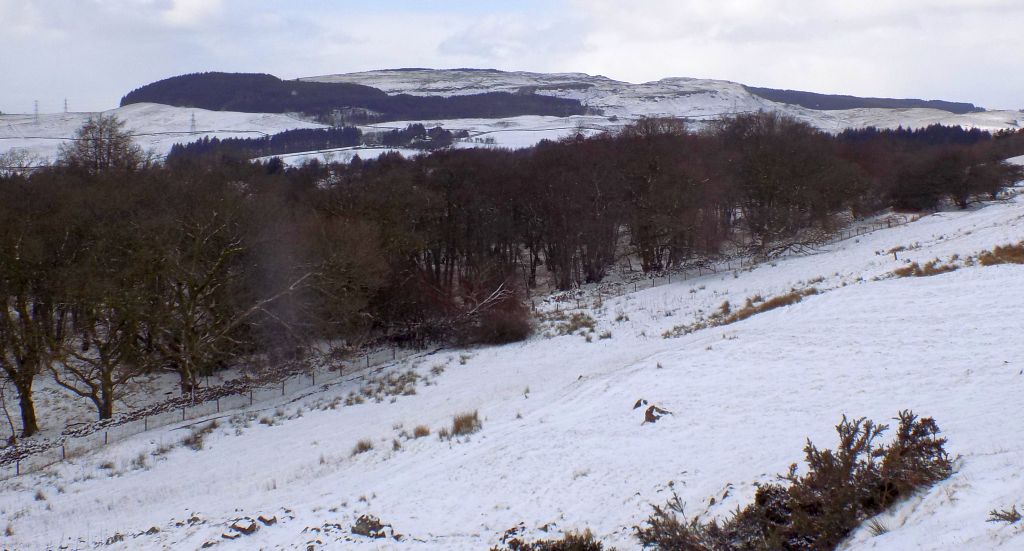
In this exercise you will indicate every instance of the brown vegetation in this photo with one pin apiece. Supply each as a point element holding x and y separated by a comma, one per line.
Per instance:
<point>819,509</point>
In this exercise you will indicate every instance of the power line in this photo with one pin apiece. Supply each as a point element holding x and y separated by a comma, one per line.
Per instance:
<point>168,133</point>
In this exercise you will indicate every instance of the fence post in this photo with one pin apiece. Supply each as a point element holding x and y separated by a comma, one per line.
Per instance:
<point>282,388</point>
<point>312,374</point>
<point>182,414</point>
<point>250,397</point>
<point>367,359</point>
<point>218,404</point>
<point>106,436</point>
<point>63,452</point>
<point>145,423</point>
<point>17,467</point>
<point>394,354</point>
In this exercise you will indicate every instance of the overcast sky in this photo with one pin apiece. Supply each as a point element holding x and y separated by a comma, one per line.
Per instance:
<point>94,51</point>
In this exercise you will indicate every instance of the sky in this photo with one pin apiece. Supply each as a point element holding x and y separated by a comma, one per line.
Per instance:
<point>92,52</point>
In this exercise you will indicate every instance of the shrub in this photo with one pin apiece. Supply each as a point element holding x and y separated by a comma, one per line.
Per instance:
<point>583,541</point>
<point>421,431</point>
<point>819,509</point>
<point>362,446</point>
<point>1009,516</point>
<point>500,327</point>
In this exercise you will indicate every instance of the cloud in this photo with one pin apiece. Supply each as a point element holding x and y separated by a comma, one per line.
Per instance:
<point>949,49</point>
<point>514,38</point>
<point>93,51</point>
<point>191,12</point>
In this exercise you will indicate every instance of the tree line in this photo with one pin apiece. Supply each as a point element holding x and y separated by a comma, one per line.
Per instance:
<point>112,265</point>
<point>282,143</point>
<point>262,93</point>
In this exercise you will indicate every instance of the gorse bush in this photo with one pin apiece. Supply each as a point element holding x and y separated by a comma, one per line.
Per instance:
<point>816,510</point>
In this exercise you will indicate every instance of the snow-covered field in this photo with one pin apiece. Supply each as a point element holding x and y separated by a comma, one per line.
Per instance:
<point>561,446</point>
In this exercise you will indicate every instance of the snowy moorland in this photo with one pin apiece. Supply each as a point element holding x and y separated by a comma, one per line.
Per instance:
<point>561,446</point>
<point>615,103</point>
<point>669,97</point>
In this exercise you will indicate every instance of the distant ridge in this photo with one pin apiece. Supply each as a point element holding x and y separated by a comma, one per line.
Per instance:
<point>834,102</point>
<point>263,93</point>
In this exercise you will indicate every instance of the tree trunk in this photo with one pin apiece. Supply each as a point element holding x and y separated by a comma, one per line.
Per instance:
<point>106,401</point>
<point>29,425</point>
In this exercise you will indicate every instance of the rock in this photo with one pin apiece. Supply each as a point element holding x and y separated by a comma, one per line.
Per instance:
<point>231,535</point>
<point>267,521</point>
<point>152,531</point>
<point>245,526</point>
<point>654,413</point>
<point>640,403</point>
<point>208,544</point>
<point>371,527</point>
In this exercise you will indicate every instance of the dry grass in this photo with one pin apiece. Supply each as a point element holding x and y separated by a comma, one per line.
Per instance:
<point>577,322</point>
<point>792,297</point>
<point>929,269</point>
<point>421,431</point>
<point>462,424</point>
<point>466,423</point>
<point>726,315</point>
<point>1006,254</point>
<point>362,446</point>
<point>195,440</point>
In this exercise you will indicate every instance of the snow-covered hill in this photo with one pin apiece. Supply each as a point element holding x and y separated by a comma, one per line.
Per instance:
<point>674,97</point>
<point>155,127</point>
<point>561,446</point>
<point>615,103</point>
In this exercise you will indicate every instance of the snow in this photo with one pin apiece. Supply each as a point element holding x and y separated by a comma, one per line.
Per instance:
<point>561,444</point>
<point>674,97</point>
<point>618,103</point>
<point>155,127</point>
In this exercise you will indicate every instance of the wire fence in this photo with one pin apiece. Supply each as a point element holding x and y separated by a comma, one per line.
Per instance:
<point>35,458</point>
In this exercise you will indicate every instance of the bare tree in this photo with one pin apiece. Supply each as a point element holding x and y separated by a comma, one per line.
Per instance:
<point>102,144</point>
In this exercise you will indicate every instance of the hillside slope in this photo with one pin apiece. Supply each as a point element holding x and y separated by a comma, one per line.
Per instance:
<point>561,446</point>
<point>676,96</point>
